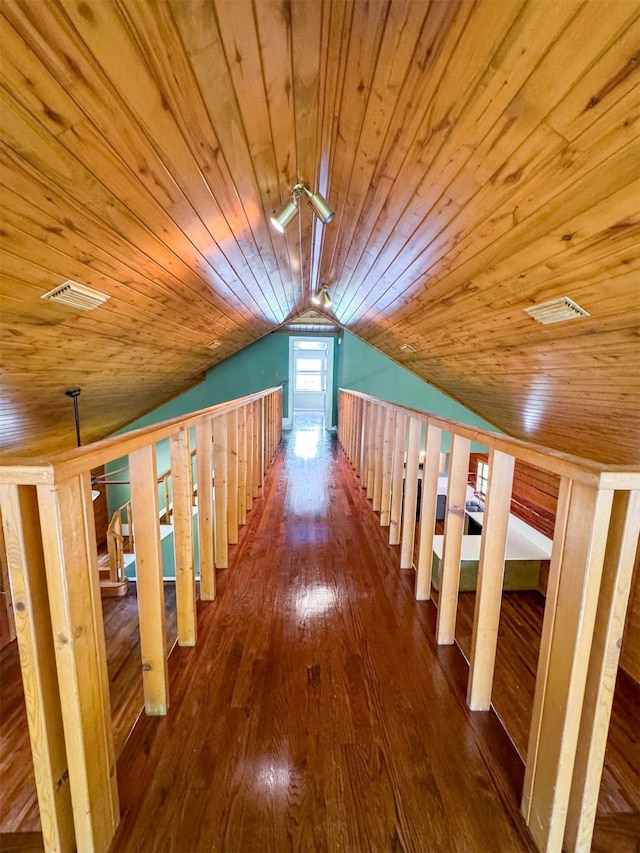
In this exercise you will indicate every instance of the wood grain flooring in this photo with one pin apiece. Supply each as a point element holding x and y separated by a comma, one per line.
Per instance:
<point>316,713</point>
<point>18,803</point>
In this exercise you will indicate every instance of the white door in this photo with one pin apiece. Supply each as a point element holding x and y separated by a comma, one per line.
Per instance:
<point>310,376</point>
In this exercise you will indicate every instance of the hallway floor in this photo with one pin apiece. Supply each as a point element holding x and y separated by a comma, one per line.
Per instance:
<point>316,712</point>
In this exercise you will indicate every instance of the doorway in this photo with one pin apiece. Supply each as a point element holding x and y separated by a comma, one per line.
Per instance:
<point>311,378</point>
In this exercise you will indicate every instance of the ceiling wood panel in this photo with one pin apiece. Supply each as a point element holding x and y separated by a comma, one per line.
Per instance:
<point>481,157</point>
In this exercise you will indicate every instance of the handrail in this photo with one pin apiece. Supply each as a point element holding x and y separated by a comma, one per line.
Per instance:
<point>592,558</point>
<point>58,467</point>
<point>48,520</point>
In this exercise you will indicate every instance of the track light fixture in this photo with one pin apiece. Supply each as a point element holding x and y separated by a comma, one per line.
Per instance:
<point>322,297</point>
<point>288,211</point>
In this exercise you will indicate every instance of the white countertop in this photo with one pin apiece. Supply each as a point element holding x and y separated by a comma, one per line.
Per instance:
<point>519,547</point>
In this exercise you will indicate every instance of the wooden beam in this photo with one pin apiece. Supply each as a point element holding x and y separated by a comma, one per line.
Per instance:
<point>452,545</point>
<point>409,509</point>
<point>25,561</point>
<point>564,661</point>
<point>204,472</point>
<point>220,465</point>
<point>603,669</point>
<point>144,503</point>
<point>397,479</point>
<point>182,491</point>
<point>71,562</point>
<point>490,579</point>
<point>428,507</point>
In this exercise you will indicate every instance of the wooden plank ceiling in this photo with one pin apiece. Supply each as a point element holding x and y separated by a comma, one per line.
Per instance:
<point>481,157</point>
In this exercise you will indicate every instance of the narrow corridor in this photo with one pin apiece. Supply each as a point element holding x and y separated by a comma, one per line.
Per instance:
<point>316,712</point>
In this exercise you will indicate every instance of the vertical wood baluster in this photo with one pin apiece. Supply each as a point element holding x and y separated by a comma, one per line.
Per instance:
<point>220,502</point>
<point>144,499</point>
<point>564,660</point>
<point>204,470</point>
<point>397,479</point>
<point>71,562</point>
<point>387,466</point>
<point>490,579</point>
<point>452,546</point>
<point>183,537</point>
<point>242,466</point>
<point>232,474</point>
<point>428,507</point>
<point>25,560</point>
<point>410,494</point>
<point>257,448</point>
<point>378,458</point>
<point>603,669</point>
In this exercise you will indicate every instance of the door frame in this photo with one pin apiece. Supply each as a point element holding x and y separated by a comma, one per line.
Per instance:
<point>287,423</point>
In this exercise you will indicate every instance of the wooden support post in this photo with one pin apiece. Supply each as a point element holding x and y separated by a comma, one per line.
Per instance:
<point>369,449</point>
<point>452,545</point>
<point>387,466</point>
<point>257,447</point>
<point>250,421</point>
<point>603,669</point>
<point>242,466</point>
<point>220,460</point>
<point>570,609</point>
<point>144,500</point>
<point>410,494</point>
<point>182,489</point>
<point>490,579</point>
<point>71,562</point>
<point>25,562</point>
<point>204,472</point>
<point>232,471</point>
<point>358,436</point>
<point>260,451</point>
<point>397,479</point>
<point>428,507</point>
<point>378,451</point>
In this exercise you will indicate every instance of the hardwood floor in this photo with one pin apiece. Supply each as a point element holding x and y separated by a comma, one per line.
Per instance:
<point>317,712</point>
<point>18,803</point>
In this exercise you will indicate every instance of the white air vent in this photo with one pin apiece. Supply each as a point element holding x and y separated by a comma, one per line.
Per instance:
<point>556,311</point>
<point>407,348</point>
<point>214,345</point>
<point>76,296</point>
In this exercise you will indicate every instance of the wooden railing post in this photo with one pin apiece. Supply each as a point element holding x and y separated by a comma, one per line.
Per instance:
<point>378,452</point>
<point>397,479</point>
<point>387,466</point>
<point>183,537</point>
<point>70,554</point>
<point>25,560</point>
<point>242,466</point>
<point>603,669</point>
<point>204,469</point>
<point>232,474</point>
<point>144,499</point>
<point>572,595</point>
<point>490,579</point>
<point>428,508</point>
<point>452,545</point>
<point>257,448</point>
<point>410,494</point>
<point>220,465</point>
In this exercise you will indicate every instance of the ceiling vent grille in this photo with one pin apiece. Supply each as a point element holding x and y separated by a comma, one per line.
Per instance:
<point>556,311</point>
<point>214,344</point>
<point>76,295</point>
<point>407,348</point>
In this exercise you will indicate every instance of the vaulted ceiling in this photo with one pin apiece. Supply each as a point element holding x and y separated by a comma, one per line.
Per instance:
<point>482,157</point>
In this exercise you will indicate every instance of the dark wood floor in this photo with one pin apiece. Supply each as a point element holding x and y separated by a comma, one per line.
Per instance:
<point>317,713</point>
<point>18,802</point>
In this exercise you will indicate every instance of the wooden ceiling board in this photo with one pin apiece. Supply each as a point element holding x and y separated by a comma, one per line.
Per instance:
<point>481,157</point>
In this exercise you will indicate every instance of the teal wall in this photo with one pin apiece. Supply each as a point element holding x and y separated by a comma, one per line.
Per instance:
<point>365,369</point>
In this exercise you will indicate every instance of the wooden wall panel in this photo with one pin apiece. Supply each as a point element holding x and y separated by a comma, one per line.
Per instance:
<point>481,158</point>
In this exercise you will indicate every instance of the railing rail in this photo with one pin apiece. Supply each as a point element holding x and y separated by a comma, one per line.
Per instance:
<point>48,522</point>
<point>594,543</point>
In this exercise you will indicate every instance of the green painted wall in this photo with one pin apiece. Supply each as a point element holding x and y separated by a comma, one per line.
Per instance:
<point>363,368</point>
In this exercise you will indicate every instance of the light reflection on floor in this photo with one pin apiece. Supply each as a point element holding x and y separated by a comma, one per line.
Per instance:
<point>314,600</point>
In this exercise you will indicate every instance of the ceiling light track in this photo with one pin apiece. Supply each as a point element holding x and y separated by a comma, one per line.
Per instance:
<point>322,297</point>
<point>287,213</point>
